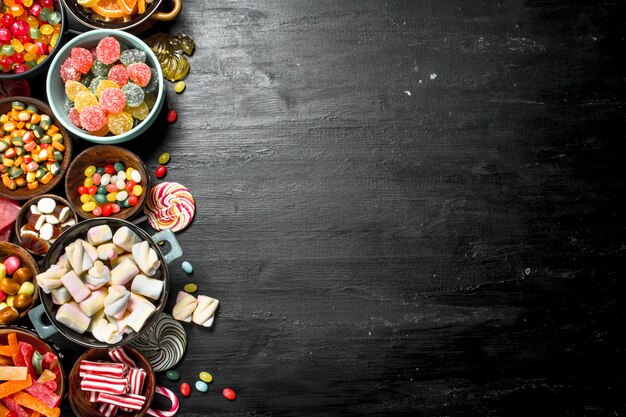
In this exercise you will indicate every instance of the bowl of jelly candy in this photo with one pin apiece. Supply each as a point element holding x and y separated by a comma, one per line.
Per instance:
<point>135,16</point>
<point>30,34</point>
<point>106,86</point>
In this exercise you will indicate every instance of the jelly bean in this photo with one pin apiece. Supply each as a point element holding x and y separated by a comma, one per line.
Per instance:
<point>133,200</point>
<point>88,206</point>
<point>111,197</point>
<point>85,198</point>
<point>120,184</point>
<point>121,176</point>
<point>93,190</point>
<point>102,189</point>
<point>82,190</point>
<point>136,176</point>
<point>109,169</point>
<point>164,158</point>
<point>107,209</point>
<point>161,171</point>
<point>229,394</point>
<point>97,211</point>
<point>206,377</point>
<point>116,208</point>
<point>172,375</point>
<point>96,178</point>
<point>12,264</point>
<point>106,178</point>
<point>202,386</point>
<point>100,170</point>
<point>179,87</point>
<point>185,389</point>
<point>122,195</point>
<point>190,288</point>
<point>172,116</point>
<point>90,170</point>
<point>111,188</point>
<point>118,166</point>
<point>137,190</point>
<point>100,198</point>
<point>187,267</point>
<point>88,182</point>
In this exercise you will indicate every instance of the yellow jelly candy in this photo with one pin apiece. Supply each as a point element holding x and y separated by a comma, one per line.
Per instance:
<point>84,99</point>
<point>140,112</point>
<point>32,21</point>
<point>46,29</point>
<point>54,39</point>
<point>88,206</point>
<point>120,123</point>
<point>137,190</point>
<point>74,87</point>
<point>85,198</point>
<point>101,132</point>
<point>17,45</point>
<point>104,84</point>
<point>111,197</point>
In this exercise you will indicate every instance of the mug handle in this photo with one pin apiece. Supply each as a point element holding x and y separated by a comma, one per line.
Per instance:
<point>168,236</point>
<point>43,330</point>
<point>166,17</point>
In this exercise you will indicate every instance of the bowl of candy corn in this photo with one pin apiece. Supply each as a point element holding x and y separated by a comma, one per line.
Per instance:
<point>33,374</point>
<point>106,86</point>
<point>30,34</point>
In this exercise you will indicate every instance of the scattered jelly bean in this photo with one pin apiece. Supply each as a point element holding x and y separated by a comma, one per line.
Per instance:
<point>187,267</point>
<point>161,171</point>
<point>164,158</point>
<point>206,377</point>
<point>172,116</point>
<point>185,389</point>
<point>172,375</point>
<point>190,288</point>
<point>229,394</point>
<point>202,386</point>
<point>179,87</point>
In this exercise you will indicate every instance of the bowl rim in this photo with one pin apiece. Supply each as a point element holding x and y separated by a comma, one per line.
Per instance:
<point>67,157</point>
<point>53,77</point>
<point>119,26</point>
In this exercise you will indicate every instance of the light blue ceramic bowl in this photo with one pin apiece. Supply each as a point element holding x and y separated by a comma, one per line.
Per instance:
<point>55,88</point>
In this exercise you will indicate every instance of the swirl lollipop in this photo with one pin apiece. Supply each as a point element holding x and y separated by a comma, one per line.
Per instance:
<point>170,206</point>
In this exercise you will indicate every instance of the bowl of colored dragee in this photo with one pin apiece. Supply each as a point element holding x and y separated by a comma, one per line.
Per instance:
<point>105,86</point>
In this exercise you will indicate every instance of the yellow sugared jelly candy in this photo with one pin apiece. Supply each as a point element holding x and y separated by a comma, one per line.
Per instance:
<point>120,123</point>
<point>140,112</point>
<point>74,87</point>
<point>104,84</point>
<point>85,99</point>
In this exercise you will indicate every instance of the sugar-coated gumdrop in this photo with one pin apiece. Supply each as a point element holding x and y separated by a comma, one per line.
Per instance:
<point>99,69</point>
<point>150,100</point>
<point>68,71</point>
<point>134,94</point>
<point>153,83</point>
<point>82,59</point>
<point>112,100</point>
<point>108,50</point>
<point>101,132</point>
<point>86,79</point>
<point>68,104</point>
<point>74,87</point>
<point>140,112</point>
<point>95,82</point>
<point>119,74</point>
<point>120,123</point>
<point>103,85</point>
<point>132,56</point>
<point>74,116</point>
<point>93,118</point>
<point>139,73</point>
<point>85,99</point>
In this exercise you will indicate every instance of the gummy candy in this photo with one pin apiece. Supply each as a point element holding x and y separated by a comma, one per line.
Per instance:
<point>150,100</point>
<point>93,118</point>
<point>101,132</point>
<point>68,71</point>
<point>74,87</point>
<point>74,116</point>
<point>99,69</point>
<point>154,82</point>
<point>82,59</point>
<point>85,99</point>
<point>118,74</point>
<point>132,56</point>
<point>139,73</point>
<point>167,49</point>
<point>108,50</point>
<point>134,94</point>
<point>95,83</point>
<point>112,100</point>
<point>120,123</point>
<point>102,85</point>
<point>140,112</point>
<point>86,79</point>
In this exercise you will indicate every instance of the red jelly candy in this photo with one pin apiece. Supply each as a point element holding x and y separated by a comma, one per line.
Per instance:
<point>92,190</point>
<point>82,59</point>
<point>116,208</point>
<point>172,116</point>
<point>74,116</point>
<point>108,50</point>
<point>139,73</point>
<point>109,169</point>
<point>118,74</point>
<point>112,100</point>
<point>83,190</point>
<point>93,118</point>
<point>185,389</point>
<point>133,200</point>
<point>107,209</point>
<point>97,211</point>
<point>229,394</point>
<point>161,171</point>
<point>68,71</point>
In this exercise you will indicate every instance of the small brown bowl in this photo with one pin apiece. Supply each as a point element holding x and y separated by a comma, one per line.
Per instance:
<point>24,193</point>
<point>101,155</point>
<point>9,249</point>
<point>79,400</point>
<point>21,217</point>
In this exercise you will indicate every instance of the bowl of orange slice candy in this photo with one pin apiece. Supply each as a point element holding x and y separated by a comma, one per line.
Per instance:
<point>135,16</point>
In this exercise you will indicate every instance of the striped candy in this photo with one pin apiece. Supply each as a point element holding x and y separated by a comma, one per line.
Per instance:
<point>173,398</point>
<point>116,370</point>
<point>104,384</point>
<point>132,401</point>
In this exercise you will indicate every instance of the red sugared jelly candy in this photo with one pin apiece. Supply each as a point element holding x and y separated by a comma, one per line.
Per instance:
<point>75,117</point>
<point>68,71</point>
<point>118,74</point>
<point>112,100</point>
<point>82,59</point>
<point>108,50</point>
<point>139,73</point>
<point>93,118</point>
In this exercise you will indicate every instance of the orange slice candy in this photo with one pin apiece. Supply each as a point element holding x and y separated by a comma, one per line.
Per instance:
<point>127,6</point>
<point>109,8</point>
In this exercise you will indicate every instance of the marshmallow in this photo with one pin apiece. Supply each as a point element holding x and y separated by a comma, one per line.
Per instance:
<point>97,276</point>
<point>90,250</point>
<point>185,305</point>
<point>95,318</point>
<point>125,238</point>
<point>75,286</point>
<point>146,258</point>
<point>124,272</point>
<point>46,205</point>
<point>99,234</point>
<point>63,262</point>
<point>92,304</point>
<point>205,311</point>
<point>70,315</point>
<point>109,251</point>
<point>116,301</point>
<point>51,278</point>
<point>149,287</point>
<point>106,332</point>
<point>116,261</point>
<point>61,295</point>
<point>139,316</point>
<point>78,259</point>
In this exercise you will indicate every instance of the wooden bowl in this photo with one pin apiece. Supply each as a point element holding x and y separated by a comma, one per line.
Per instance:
<point>24,193</point>
<point>21,216</point>
<point>9,249</point>
<point>98,156</point>
<point>79,400</point>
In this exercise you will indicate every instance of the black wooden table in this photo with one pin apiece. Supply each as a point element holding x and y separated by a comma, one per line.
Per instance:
<point>404,207</point>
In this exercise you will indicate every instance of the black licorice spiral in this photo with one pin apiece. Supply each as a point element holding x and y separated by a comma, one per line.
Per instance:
<point>163,344</point>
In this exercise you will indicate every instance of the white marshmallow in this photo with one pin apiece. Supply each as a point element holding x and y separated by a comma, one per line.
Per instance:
<point>51,278</point>
<point>97,276</point>
<point>106,332</point>
<point>135,300</point>
<point>90,250</point>
<point>116,261</point>
<point>63,262</point>
<point>205,311</point>
<point>92,304</point>
<point>146,258</point>
<point>78,258</point>
<point>149,287</point>
<point>125,238</point>
<point>138,317</point>
<point>70,315</point>
<point>109,251</point>
<point>184,307</point>
<point>61,295</point>
<point>75,286</point>
<point>124,272</point>
<point>99,234</point>
<point>116,301</point>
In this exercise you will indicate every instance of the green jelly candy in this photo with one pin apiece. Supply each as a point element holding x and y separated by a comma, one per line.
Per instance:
<point>37,360</point>
<point>99,69</point>
<point>132,56</point>
<point>45,14</point>
<point>7,50</point>
<point>119,166</point>
<point>101,198</point>
<point>164,158</point>
<point>55,17</point>
<point>34,33</point>
<point>100,170</point>
<point>102,190</point>
<point>134,94</point>
<point>172,375</point>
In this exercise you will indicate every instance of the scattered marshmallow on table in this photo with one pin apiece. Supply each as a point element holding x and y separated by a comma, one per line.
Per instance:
<point>205,311</point>
<point>184,307</point>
